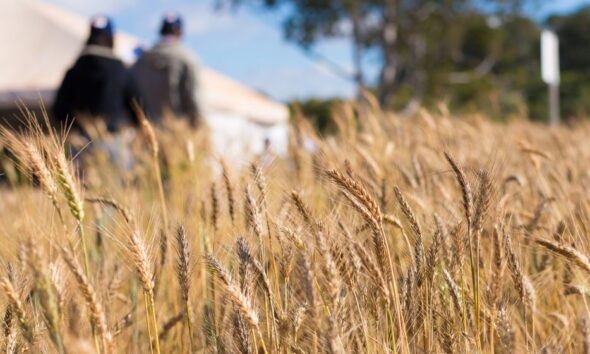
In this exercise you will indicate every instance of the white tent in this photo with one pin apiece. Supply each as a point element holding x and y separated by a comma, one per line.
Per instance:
<point>39,41</point>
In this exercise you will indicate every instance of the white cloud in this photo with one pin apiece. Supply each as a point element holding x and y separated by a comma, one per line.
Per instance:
<point>289,83</point>
<point>202,19</point>
<point>91,7</point>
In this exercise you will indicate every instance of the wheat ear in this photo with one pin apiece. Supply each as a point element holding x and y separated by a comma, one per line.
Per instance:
<point>18,309</point>
<point>229,189</point>
<point>236,296</point>
<point>97,315</point>
<point>150,135</point>
<point>183,271</point>
<point>570,253</point>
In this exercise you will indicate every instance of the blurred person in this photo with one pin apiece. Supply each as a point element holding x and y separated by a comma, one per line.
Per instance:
<point>99,92</point>
<point>267,156</point>
<point>98,85</point>
<point>169,75</point>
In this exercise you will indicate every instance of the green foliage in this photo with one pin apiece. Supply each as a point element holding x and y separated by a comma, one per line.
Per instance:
<point>511,51</point>
<point>318,111</point>
<point>574,36</point>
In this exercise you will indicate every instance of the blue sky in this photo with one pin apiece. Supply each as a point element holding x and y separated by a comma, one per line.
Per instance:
<point>249,46</point>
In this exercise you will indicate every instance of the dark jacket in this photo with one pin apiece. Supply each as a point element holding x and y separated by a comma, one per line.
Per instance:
<point>169,77</point>
<point>98,85</point>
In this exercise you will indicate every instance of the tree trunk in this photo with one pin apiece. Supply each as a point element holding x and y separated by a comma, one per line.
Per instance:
<point>418,47</point>
<point>388,50</point>
<point>357,47</point>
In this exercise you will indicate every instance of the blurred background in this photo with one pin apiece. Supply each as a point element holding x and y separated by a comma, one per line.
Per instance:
<point>474,55</point>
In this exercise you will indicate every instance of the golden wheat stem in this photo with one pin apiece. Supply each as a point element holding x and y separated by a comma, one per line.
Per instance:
<point>396,302</point>
<point>586,306</point>
<point>150,135</point>
<point>84,248</point>
<point>183,270</point>
<point>148,325</point>
<point>189,322</point>
<point>264,350</point>
<point>474,258</point>
<point>161,196</point>
<point>152,314</point>
<point>392,332</point>
<point>464,305</point>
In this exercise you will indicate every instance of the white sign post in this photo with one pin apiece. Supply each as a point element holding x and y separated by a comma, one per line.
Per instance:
<point>550,71</point>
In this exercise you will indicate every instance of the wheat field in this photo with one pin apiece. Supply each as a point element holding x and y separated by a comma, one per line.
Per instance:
<point>434,234</point>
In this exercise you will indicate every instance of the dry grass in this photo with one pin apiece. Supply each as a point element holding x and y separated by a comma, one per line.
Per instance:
<point>431,234</point>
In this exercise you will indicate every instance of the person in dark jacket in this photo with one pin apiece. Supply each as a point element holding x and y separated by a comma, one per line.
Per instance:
<point>98,85</point>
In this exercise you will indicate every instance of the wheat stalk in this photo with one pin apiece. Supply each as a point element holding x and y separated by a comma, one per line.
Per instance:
<point>253,218</point>
<point>97,315</point>
<point>418,244</point>
<point>473,254</point>
<point>140,259</point>
<point>236,296</point>
<point>231,203</point>
<point>150,135</point>
<point>49,303</point>
<point>18,309</point>
<point>183,271</point>
<point>569,253</point>
<point>69,188</point>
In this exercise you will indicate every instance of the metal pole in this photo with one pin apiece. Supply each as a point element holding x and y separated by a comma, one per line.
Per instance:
<point>553,104</point>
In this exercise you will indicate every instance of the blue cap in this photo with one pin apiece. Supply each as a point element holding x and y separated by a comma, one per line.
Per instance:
<point>171,24</point>
<point>101,25</point>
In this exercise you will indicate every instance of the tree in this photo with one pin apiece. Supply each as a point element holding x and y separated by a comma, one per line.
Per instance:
<point>412,36</point>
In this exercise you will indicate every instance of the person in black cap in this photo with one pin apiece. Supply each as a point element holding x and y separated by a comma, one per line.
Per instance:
<point>168,75</point>
<point>98,85</point>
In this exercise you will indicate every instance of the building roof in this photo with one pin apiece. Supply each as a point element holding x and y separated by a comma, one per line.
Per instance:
<point>40,41</point>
